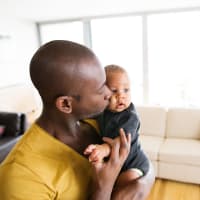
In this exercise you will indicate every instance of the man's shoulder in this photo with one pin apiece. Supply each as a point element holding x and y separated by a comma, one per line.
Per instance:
<point>90,125</point>
<point>91,130</point>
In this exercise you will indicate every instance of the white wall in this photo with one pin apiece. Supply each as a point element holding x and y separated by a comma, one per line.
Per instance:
<point>38,10</point>
<point>18,42</point>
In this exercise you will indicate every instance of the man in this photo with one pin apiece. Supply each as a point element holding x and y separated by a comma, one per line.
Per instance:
<point>48,162</point>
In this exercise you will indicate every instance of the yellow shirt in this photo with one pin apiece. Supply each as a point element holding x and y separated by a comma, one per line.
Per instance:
<point>42,168</point>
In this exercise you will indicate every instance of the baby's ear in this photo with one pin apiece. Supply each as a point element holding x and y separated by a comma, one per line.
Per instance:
<point>64,104</point>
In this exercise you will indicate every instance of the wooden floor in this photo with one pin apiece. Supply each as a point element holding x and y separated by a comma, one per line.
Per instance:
<point>171,190</point>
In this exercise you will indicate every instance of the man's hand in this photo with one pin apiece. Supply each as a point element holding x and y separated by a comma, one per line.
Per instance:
<point>106,173</point>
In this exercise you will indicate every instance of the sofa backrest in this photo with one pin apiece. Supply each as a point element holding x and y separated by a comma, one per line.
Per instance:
<point>153,120</point>
<point>183,123</point>
<point>19,98</point>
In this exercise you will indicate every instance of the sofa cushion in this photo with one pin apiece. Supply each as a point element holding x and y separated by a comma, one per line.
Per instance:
<point>153,120</point>
<point>151,145</point>
<point>183,123</point>
<point>179,172</point>
<point>180,151</point>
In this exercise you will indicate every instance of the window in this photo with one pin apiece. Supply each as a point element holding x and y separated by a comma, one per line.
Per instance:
<point>62,31</point>
<point>174,61</point>
<point>119,41</point>
<point>160,52</point>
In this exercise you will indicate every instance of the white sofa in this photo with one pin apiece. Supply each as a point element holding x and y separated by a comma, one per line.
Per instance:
<point>171,139</point>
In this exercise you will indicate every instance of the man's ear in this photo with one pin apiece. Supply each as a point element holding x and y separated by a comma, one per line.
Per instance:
<point>64,104</point>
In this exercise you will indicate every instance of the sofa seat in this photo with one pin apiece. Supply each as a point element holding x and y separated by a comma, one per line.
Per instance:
<point>151,145</point>
<point>179,159</point>
<point>179,172</point>
<point>180,151</point>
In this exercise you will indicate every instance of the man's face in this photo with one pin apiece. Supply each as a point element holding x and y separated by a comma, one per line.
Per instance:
<point>119,84</point>
<point>94,94</point>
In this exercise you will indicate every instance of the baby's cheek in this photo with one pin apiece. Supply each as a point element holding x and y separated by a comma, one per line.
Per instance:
<point>112,103</point>
<point>113,100</point>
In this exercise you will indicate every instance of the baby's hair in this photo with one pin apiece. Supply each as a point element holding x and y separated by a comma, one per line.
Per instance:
<point>114,68</point>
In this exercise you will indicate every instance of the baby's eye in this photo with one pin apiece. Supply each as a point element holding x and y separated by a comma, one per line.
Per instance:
<point>114,90</point>
<point>126,90</point>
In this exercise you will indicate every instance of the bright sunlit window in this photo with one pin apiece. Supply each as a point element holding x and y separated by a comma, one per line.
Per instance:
<point>62,31</point>
<point>119,41</point>
<point>160,52</point>
<point>174,59</point>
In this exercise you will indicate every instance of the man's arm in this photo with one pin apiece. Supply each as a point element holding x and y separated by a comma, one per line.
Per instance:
<point>135,189</point>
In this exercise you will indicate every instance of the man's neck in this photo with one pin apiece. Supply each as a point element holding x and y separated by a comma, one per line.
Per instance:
<point>69,131</point>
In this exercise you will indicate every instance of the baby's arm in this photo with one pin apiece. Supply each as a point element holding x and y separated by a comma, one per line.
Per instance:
<point>97,152</point>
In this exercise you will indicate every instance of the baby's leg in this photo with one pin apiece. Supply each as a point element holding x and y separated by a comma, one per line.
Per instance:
<point>129,175</point>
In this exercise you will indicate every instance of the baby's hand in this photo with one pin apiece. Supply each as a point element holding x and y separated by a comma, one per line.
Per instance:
<point>97,153</point>
<point>89,149</point>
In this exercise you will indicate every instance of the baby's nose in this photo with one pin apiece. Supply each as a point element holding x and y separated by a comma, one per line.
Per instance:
<point>121,94</point>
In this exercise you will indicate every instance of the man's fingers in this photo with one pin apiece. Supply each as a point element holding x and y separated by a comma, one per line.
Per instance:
<point>115,145</point>
<point>108,140</point>
<point>125,139</point>
<point>119,147</point>
<point>125,143</point>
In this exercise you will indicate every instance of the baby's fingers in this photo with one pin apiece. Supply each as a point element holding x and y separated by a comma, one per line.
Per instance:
<point>89,149</point>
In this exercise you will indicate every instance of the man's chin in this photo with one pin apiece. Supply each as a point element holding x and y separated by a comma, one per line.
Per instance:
<point>95,114</point>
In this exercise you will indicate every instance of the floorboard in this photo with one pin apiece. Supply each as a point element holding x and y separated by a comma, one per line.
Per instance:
<point>172,190</point>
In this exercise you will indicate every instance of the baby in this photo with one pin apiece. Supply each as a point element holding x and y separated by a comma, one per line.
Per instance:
<point>120,113</point>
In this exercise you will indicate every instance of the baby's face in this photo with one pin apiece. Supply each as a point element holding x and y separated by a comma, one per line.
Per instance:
<point>119,84</point>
